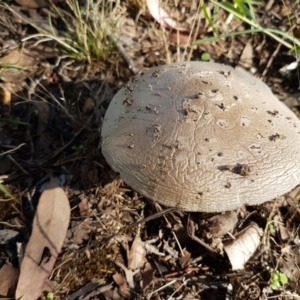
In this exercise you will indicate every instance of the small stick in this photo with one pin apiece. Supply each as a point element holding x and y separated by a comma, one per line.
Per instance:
<point>191,233</point>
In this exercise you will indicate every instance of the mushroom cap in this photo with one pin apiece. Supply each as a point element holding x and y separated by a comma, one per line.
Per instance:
<point>202,136</point>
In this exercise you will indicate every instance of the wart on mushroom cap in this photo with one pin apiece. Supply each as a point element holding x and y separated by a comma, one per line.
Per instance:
<point>202,137</point>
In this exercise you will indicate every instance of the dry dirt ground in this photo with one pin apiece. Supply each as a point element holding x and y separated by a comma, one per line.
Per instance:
<point>62,99</point>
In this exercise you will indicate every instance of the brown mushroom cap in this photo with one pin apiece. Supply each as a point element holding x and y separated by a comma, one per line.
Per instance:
<point>202,137</point>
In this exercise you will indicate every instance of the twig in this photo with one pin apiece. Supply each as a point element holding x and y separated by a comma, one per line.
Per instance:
<point>161,288</point>
<point>69,143</point>
<point>271,60</point>
<point>12,150</point>
<point>174,235</point>
<point>191,233</point>
<point>97,291</point>
<point>18,166</point>
<point>179,288</point>
<point>135,70</point>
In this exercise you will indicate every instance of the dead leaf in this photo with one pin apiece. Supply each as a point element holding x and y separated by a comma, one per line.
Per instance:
<point>137,253</point>
<point>51,286</point>
<point>129,275</point>
<point>186,258</point>
<point>281,228</point>
<point>220,224</point>
<point>84,207</point>
<point>147,275</point>
<point>16,66</point>
<point>49,230</point>
<point>161,16</point>
<point>122,285</point>
<point>20,58</point>
<point>246,59</point>
<point>243,247</point>
<point>81,231</point>
<point>8,280</point>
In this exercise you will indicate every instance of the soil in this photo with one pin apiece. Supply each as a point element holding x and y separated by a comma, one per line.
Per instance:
<point>51,110</point>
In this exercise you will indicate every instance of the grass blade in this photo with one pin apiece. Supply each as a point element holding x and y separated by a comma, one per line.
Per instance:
<point>5,191</point>
<point>12,121</point>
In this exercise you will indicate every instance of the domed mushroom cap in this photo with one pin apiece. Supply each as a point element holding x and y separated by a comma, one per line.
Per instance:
<point>202,137</point>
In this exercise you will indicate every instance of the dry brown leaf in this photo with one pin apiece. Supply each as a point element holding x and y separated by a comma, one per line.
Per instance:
<point>84,207</point>
<point>220,224</point>
<point>19,64</point>
<point>49,230</point>
<point>186,258</point>
<point>21,59</point>
<point>8,280</point>
<point>147,275</point>
<point>122,285</point>
<point>81,231</point>
<point>137,253</point>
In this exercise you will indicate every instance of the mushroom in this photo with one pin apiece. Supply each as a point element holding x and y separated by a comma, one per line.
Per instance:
<point>202,137</point>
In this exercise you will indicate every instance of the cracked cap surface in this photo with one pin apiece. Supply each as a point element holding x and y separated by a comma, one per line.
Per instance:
<point>202,137</point>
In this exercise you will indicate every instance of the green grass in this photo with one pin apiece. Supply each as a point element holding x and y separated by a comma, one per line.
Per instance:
<point>12,121</point>
<point>89,30</point>
<point>5,191</point>
<point>245,11</point>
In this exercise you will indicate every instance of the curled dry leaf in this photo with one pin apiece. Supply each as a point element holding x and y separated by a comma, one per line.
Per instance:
<point>49,230</point>
<point>240,250</point>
